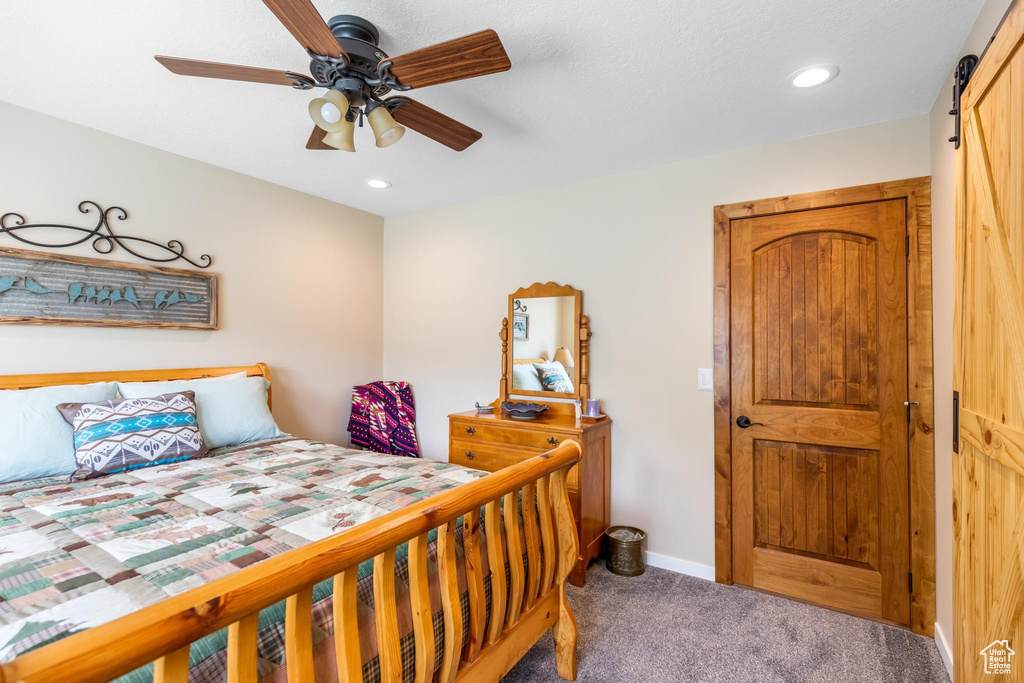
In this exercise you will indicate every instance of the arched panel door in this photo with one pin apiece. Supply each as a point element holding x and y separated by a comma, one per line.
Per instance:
<point>819,381</point>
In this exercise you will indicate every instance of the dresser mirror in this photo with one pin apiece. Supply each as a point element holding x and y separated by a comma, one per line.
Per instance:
<point>541,343</point>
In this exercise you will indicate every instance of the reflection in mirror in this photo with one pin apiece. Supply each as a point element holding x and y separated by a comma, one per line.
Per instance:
<point>543,334</point>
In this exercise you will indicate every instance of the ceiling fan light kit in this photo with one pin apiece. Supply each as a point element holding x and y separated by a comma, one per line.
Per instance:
<point>347,61</point>
<point>385,129</point>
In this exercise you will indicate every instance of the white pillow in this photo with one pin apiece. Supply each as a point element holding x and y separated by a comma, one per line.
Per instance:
<point>524,376</point>
<point>231,410</point>
<point>35,441</point>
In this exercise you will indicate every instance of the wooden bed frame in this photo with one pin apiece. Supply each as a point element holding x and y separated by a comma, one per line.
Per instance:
<point>522,611</point>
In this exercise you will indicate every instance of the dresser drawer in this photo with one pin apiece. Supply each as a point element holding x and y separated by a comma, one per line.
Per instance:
<point>530,438</point>
<point>490,457</point>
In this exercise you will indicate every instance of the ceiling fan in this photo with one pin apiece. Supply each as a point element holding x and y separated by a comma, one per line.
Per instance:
<point>357,74</point>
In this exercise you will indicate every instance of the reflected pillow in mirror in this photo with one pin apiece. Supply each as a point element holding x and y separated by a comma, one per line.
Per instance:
<point>525,377</point>
<point>553,377</point>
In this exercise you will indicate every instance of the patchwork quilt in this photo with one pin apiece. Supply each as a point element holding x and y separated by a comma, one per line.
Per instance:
<point>75,555</point>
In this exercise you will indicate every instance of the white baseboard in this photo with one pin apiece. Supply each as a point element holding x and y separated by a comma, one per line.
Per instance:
<point>674,564</point>
<point>945,651</point>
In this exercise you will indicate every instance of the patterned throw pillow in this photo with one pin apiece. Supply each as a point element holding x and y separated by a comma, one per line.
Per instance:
<point>128,433</point>
<point>553,377</point>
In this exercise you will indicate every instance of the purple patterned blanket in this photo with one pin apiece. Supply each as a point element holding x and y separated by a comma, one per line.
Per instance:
<point>384,418</point>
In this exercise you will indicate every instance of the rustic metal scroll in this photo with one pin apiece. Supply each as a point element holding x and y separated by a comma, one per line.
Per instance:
<point>103,237</point>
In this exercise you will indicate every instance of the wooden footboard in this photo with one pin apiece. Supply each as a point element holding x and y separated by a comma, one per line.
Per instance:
<point>533,600</point>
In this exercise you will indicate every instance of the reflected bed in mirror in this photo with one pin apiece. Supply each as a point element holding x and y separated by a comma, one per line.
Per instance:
<point>544,322</point>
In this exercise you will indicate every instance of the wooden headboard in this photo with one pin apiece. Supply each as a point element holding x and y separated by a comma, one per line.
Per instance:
<point>519,361</point>
<point>49,380</point>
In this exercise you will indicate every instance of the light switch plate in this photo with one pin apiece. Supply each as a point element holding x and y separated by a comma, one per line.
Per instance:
<point>705,379</point>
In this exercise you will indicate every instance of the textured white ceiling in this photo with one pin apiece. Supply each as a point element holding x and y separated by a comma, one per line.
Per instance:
<point>596,86</point>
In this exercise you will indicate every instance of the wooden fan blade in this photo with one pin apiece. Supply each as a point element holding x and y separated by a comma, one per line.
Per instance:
<point>435,125</point>
<point>316,140</point>
<point>230,72</point>
<point>478,54</point>
<point>306,24</point>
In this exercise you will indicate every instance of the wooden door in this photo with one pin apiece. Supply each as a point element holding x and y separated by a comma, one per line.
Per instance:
<point>988,367</point>
<point>819,368</point>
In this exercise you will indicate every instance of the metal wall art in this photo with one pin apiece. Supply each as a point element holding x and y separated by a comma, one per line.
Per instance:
<point>103,237</point>
<point>41,288</point>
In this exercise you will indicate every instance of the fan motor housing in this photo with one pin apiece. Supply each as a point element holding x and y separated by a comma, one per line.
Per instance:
<point>351,26</point>
<point>359,39</point>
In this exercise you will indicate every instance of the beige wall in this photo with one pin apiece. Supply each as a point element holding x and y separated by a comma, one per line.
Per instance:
<point>301,277</point>
<point>639,245</point>
<point>943,183</point>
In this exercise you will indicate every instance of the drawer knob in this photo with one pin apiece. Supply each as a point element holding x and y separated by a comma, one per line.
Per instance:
<point>470,430</point>
<point>553,441</point>
<point>470,454</point>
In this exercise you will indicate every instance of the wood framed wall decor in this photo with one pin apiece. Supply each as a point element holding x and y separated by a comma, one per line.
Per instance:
<point>39,288</point>
<point>905,201</point>
<point>521,326</point>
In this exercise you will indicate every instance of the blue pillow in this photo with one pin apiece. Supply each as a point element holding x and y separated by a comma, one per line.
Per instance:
<point>35,441</point>
<point>232,410</point>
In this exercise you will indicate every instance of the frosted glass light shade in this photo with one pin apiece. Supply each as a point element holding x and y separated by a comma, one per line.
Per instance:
<point>342,139</point>
<point>385,128</point>
<point>336,105</point>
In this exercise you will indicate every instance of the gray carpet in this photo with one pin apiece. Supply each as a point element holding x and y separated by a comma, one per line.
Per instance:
<point>663,626</point>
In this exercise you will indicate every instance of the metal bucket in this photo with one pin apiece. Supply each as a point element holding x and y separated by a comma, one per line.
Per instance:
<point>626,556</point>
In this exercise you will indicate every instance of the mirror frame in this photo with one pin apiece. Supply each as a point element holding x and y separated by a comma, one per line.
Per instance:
<point>580,348</point>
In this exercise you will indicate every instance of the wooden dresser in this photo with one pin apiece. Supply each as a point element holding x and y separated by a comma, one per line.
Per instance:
<point>491,441</point>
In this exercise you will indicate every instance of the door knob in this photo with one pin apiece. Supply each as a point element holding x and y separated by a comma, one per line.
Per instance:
<point>743,422</point>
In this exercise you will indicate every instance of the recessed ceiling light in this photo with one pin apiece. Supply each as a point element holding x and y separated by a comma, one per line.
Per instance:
<point>810,76</point>
<point>378,184</point>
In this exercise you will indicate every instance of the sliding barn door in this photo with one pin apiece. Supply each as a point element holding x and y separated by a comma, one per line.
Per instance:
<point>988,470</point>
<point>819,431</point>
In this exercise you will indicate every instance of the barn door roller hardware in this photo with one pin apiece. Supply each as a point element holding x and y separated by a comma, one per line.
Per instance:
<point>964,69</point>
